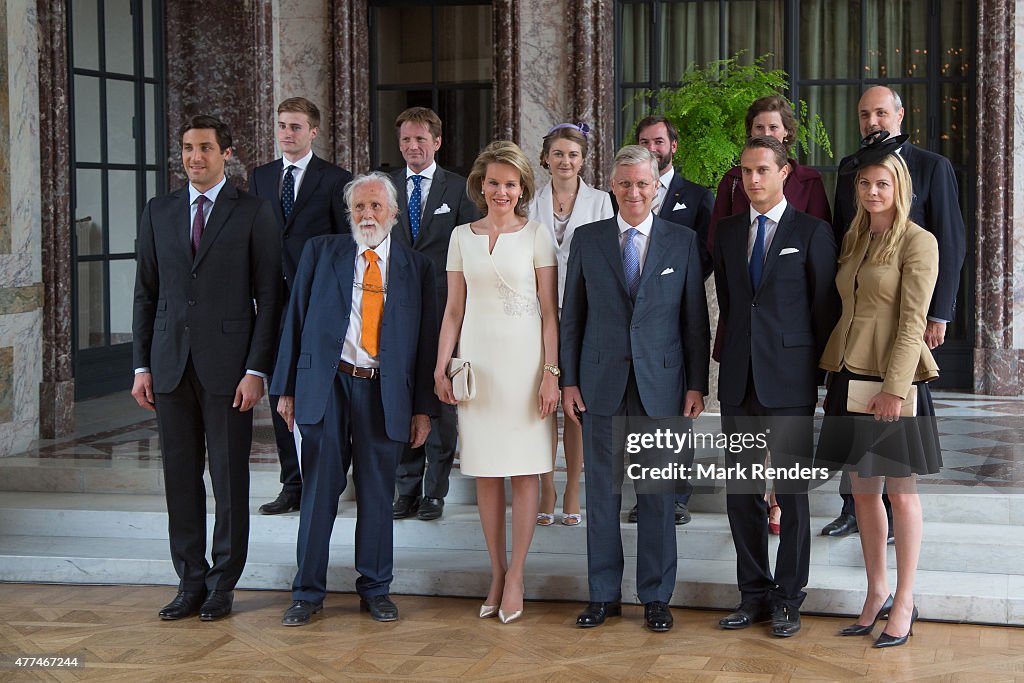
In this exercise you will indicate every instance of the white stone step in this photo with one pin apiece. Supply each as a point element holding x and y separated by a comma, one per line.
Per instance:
<point>978,548</point>
<point>941,595</point>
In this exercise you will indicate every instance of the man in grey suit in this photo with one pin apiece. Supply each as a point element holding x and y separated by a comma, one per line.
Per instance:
<point>431,203</point>
<point>635,343</point>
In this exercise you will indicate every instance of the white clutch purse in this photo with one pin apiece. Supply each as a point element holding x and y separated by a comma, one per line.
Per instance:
<point>460,372</point>
<point>861,391</point>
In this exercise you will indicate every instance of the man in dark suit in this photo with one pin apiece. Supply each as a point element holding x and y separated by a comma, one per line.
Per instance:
<point>431,203</point>
<point>679,201</point>
<point>775,271</point>
<point>634,343</point>
<point>936,208</point>
<point>355,373</point>
<point>306,193</point>
<point>201,352</point>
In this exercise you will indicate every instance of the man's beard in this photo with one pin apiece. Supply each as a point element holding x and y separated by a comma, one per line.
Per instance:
<point>366,238</point>
<point>664,161</point>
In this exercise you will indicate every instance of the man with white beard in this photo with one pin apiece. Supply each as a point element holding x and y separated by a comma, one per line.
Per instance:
<point>355,373</point>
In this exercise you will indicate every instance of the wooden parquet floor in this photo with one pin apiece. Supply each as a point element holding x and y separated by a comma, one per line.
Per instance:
<point>115,632</point>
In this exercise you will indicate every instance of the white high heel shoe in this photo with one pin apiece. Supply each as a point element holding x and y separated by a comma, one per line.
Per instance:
<point>509,618</point>
<point>487,611</point>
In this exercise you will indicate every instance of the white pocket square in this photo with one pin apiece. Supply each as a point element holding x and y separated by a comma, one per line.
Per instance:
<point>679,207</point>
<point>667,271</point>
<point>788,250</point>
<point>442,209</point>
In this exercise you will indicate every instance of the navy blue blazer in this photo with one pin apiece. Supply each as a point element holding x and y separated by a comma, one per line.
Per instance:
<point>318,318</point>
<point>782,328</point>
<point>664,336</point>
<point>319,208</point>
<point>935,207</point>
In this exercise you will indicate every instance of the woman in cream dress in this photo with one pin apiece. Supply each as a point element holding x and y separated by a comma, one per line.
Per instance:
<point>563,205</point>
<point>502,311</point>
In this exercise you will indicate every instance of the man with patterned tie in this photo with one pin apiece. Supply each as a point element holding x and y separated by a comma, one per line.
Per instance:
<point>307,195</point>
<point>431,203</point>
<point>355,372</point>
<point>635,343</point>
<point>207,310</point>
<point>775,271</point>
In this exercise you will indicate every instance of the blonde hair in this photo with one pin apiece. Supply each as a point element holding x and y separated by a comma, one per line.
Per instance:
<point>501,152</point>
<point>902,195</point>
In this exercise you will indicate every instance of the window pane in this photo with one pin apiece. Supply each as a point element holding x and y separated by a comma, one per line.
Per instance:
<point>829,39</point>
<point>119,36</point>
<point>956,22</point>
<point>897,39</point>
<point>634,107</point>
<point>151,190</point>
<point>87,119</point>
<point>122,292</point>
<point>88,211</point>
<point>151,139</point>
<point>915,118</point>
<point>636,44</point>
<point>837,107</point>
<point>90,305</point>
<point>85,34</point>
<point>756,28</point>
<point>465,45</point>
<point>148,41</point>
<point>123,212</point>
<point>391,103</point>
<point>954,134</point>
<point>120,121</point>
<point>468,121</point>
<point>403,45</point>
<point>689,34</point>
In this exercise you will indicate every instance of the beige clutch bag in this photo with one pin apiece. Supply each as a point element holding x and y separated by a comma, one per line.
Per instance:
<point>861,391</point>
<point>460,372</point>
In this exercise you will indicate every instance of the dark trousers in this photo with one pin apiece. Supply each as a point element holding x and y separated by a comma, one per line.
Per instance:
<point>291,480</point>
<point>425,470</point>
<point>192,421</point>
<point>352,432</point>
<point>791,442</point>
<point>603,455</point>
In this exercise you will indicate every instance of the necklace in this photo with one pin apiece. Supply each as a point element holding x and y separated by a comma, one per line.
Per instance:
<point>561,203</point>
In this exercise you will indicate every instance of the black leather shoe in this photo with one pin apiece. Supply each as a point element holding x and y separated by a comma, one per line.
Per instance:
<point>405,506</point>
<point>745,615</point>
<point>217,605</point>
<point>430,508</point>
<point>657,616</point>
<point>597,612</point>
<point>886,640</point>
<point>632,516</point>
<point>380,608</point>
<point>843,525</point>
<point>682,514</point>
<point>286,501</point>
<point>785,621</point>
<point>856,629</point>
<point>184,604</point>
<point>300,613</point>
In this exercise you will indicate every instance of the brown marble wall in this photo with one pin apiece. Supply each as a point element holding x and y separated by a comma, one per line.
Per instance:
<point>350,118</point>
<point>224,69</point>
<point>592,80</point>
<point>505,27</point>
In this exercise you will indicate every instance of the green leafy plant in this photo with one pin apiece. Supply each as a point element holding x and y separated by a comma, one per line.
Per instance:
<point>709,108</point>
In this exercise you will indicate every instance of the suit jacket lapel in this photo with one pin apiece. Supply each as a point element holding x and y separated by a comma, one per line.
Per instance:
<point>782,231</point>
<point>179,220</point>
<point>344,264</point>
<point>222,208</point>
<point>273,180</point>
<point>310,179</point>
<point>672,196</point>
<point>608,239</point>
<point>657,251</point>
<point>402,231</point>
<point>398,262</point>
<point>433,201</point>
<point>734,247</point>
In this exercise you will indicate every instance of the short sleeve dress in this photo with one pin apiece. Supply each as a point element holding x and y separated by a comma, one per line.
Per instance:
<point>501,433</point>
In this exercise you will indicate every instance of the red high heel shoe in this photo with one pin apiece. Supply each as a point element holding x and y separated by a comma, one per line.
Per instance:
<point>774,527</point>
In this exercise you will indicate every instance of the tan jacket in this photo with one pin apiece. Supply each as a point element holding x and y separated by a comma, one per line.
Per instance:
<point>885,307</point>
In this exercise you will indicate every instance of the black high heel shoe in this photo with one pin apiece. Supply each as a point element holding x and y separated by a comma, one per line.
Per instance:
<point>858,630</point>
<point>885,640</point>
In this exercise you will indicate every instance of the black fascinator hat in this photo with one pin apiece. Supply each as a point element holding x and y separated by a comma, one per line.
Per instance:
<point>873,148</point>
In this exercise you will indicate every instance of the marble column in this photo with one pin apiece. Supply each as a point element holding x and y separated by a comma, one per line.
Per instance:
<point>21,271</point>
<point>999,290</point>
<point>506,63</point>
<point>592,31</point>
<point>350,84</point>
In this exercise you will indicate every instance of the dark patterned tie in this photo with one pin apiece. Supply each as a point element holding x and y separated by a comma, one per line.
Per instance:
<point>288,192</point>
<point>198,222</point>
<point>415,206</point>
<point>757,253</point>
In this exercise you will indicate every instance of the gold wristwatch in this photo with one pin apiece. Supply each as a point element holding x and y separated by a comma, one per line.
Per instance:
<point>553,369</point>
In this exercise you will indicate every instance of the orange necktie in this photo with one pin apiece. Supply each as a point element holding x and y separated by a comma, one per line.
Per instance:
<point>373,303</point>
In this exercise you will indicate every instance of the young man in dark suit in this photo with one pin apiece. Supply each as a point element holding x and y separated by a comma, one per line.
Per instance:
<point>936,208</point>
<point>775,271</point>
<point>431,203</point>
<point>356,372</point>
<point>206,317</point>
<point>306,193</point>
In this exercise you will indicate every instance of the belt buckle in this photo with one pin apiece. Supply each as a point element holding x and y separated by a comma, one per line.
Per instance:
<point>374,373</point>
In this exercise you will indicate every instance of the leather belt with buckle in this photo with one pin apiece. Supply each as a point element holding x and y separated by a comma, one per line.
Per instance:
<point>361,373</point>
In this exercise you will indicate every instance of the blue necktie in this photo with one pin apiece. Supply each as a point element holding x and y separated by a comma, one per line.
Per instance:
<point>757,253</point>
<point>631,263</point>
<point>288,192</point>
<point>415,206</point>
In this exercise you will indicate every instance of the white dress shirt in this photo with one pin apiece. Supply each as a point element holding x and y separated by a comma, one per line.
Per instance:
<point>352,352</point>
<point>299,171</point>
<point>774,216</point>
<point>642,239</point>
<point>428,177</point>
